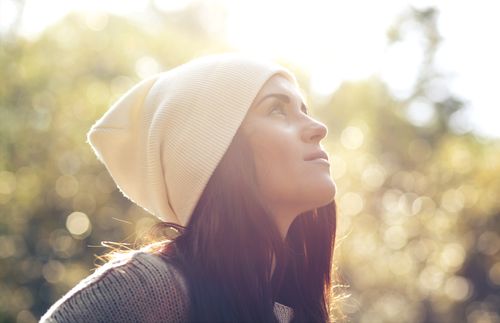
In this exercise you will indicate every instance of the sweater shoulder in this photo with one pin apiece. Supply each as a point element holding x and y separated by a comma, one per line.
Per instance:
<point>139,286</point>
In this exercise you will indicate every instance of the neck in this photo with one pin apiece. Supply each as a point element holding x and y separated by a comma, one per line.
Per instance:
<point>283,222</point>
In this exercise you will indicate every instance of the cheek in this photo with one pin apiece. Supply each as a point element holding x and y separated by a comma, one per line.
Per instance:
<point>277,165</point>
<point>282,175</point>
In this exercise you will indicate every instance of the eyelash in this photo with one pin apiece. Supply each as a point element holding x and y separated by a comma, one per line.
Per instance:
<point>280,106</point>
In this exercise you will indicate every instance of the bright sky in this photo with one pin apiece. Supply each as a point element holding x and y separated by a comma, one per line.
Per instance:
<point>341,40</point>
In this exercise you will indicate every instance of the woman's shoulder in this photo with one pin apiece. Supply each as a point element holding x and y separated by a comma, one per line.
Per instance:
<point>137,286</point>
<point>151,265</point>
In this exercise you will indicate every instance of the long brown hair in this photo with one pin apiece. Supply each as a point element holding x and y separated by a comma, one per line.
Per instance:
<point>227,248</point>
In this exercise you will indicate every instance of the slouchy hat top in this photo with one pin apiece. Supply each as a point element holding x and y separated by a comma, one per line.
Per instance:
<point>162,140</point>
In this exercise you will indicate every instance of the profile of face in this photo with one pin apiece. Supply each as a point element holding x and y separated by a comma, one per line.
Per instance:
<point>285,142</point>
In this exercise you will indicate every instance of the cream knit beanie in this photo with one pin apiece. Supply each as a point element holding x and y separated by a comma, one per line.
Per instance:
<point>162,140</point>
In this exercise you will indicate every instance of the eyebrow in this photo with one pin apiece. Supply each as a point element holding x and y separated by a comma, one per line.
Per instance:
<point>282,97</point>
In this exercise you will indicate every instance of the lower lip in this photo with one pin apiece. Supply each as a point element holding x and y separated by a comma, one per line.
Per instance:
<point>320,161</point>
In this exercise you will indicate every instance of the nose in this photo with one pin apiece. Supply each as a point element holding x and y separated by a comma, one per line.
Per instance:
<point>314,131</point>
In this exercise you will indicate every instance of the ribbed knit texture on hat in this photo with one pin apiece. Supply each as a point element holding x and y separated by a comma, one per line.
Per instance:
<point>162,140</point>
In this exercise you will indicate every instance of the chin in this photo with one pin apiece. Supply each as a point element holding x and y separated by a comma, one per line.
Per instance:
<point>328,190</point>
<point>324,195</point>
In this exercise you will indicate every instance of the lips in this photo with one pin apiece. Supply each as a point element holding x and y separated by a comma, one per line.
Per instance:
<point>319,154</point>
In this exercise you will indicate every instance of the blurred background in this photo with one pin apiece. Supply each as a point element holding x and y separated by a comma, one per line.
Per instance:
<point>406,89</point>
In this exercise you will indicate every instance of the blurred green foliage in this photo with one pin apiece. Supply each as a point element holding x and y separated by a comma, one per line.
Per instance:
<point>419,219</point>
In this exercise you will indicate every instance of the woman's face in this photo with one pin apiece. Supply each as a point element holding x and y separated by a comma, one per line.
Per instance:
<point>283,137</point>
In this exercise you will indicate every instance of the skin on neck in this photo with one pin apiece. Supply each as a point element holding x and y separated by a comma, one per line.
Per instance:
<point>282,213</point>
<point>283,221</point>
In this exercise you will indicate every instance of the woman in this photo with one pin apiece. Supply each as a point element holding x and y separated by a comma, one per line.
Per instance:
<point>223,150</point>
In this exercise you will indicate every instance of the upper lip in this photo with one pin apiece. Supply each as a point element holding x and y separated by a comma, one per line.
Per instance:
<point>315,155</point>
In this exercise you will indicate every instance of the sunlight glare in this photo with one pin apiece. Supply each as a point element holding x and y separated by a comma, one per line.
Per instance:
<point>8,11</point>
<point>334,41</point>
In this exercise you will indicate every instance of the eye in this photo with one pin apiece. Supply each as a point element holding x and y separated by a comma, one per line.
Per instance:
<point>278,106</point>
<point>304,109</point>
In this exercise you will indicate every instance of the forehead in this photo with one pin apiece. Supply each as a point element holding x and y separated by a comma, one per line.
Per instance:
<point>279,84</point>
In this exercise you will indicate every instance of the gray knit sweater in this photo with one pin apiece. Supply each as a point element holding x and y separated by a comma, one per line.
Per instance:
<point>140,287</point>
